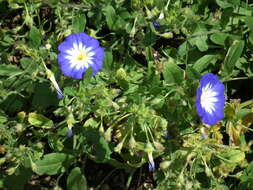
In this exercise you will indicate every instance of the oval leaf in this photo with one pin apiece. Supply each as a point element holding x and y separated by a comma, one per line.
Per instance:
<point>53,163</point>
<point>233,54</point>
<point>76,181</point>
<point>39,120</point>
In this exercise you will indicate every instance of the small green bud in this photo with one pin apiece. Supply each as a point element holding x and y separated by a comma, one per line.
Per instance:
<point>132,142</point>
<point>119,146</point>
<point>121,74</point>
<point>208,171</point>
<point>8,156</point>
<point>101,129</point>
<point>10,171</point>
<point>149,148</point>
<point>33,166</point>
<point>108,134</point>
<point>70,120</point>
<point>159,147</point>
<point>19,128</point>
<point>39,145</point>
<point>22,148</point>
<point>167,35</point>
<point>21,116</point>
<point>57,188</point>
<point>2,160</point>
<point>165,165</point>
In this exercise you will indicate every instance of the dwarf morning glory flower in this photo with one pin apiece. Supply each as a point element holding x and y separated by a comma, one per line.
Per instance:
<point>69,133</point>
<point>210,99</point>
<point>156,24</point>
<point>78,52</point>
<point>51,77</point>
<point>151,163</point>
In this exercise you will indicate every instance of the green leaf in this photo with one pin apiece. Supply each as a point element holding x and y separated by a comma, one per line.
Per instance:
<point>204,62</point>
<point>79,23</point>
<point>18,180</point>
<point>150,38</point>
<point>192,73</point>
<point>110,16</point>
<point>76,181</point>
<point>234,156</point>
<point>39,120</point>
<point>28,65</point>
<point>102,148</point>
<point>9,70</point>
<point>108,61</point>
<point>44,96</point>
<point>172,72</point>
<point>87,76</point>
<point>34,37</point>
<point>224,4</point>
<point>53,163</point>
<point>233,54</point>
<point>200,39</point>
<point>219,38</point>
<point>249,22</point>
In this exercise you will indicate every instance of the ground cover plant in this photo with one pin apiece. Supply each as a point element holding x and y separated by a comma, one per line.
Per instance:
<point>117,94</point>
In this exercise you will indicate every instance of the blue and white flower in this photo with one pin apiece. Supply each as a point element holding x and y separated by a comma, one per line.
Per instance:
<point>210,99</point>
<point>151,163</point>
<point>78,52</point>
<point>51,77</point>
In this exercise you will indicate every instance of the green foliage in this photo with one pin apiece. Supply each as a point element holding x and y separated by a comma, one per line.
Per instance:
<point>145,90</point>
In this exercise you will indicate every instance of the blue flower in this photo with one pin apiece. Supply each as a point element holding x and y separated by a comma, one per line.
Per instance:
<point>151,163</point>
<point>78,52</point>
<point>210,99</point>
<point>51,77</point>
<point>69,133</point>
<point>156,24</point>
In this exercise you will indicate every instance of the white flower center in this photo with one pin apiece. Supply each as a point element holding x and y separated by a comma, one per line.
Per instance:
<point>208,98</point>
<point>80,56</point>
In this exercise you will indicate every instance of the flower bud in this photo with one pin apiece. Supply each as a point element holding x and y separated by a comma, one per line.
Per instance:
<point>2,160</point>
<point>21,116</point>
<point>132,142</point>
<point>10,171</point>
<point>108,134</point>
<point>165,165</point>
<point>149,148</point>
<point>119,146</point>
<point>19,128</point>
<point>159,147</point>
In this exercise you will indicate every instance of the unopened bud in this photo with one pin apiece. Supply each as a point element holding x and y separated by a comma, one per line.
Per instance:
<point>108,134</point>
<point>149,148</point>
<point>165,165</point>
<point>21,116</point>
<point>159,146</point>
<point>119,146</point>
<point>10,171</point>
<point>19,128</point>
<point>2,160</point>
<point>132,143</point>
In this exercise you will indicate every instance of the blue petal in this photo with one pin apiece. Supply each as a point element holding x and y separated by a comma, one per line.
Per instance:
<point>151,166</point>
<point>208,78</point>
<point>88,42</point>
<point>69,133</point>
<point>218,87</point>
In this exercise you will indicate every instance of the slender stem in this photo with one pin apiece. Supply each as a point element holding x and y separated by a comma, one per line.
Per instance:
<point>246,104</point>
<point>232,79</point>
<point>106,177</point>
<point>130,179</point>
